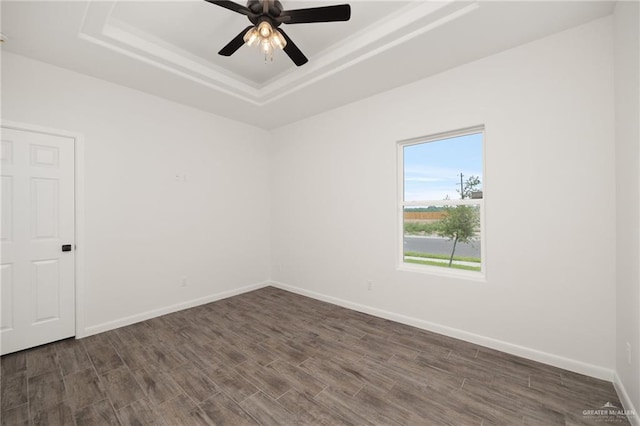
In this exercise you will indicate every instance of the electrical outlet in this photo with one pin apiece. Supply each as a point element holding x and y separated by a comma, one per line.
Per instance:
<point>183,282</point>
<point>369,285</point>
<point>628,353</point>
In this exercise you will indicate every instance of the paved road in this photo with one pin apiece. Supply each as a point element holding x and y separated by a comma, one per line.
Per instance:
<point>440,246</point>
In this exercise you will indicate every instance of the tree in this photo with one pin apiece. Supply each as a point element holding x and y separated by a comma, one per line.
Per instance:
<point>470,185</point>
<point>461,223</point>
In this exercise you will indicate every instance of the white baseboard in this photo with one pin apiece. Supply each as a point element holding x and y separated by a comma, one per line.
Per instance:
<point>121,322</point>
<point>525,352</point>
<point>627,404</point>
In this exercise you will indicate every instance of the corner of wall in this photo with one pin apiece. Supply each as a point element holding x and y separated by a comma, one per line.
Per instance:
<point>627,404</point>
<point>627,141</point>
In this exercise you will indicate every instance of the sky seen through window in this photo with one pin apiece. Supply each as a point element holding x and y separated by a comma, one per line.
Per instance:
<point>432,169</point>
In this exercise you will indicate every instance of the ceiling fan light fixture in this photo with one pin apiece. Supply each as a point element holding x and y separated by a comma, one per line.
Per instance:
<point>277,40</point>
<point>266,37</point>
<point>266,47</point>
<point>265,29</point>
<point>251,37</point>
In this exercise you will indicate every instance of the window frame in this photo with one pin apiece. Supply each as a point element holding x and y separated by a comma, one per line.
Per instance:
<point>402,204</point>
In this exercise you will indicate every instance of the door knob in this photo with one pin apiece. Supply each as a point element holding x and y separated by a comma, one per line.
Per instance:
<point>66,247</point>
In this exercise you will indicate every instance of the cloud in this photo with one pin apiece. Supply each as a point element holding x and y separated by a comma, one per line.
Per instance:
<point>421,179</point>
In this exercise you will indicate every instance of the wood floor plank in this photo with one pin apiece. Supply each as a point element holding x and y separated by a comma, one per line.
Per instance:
<point>376,407</point>
<point>45,391</point>
<point>182,411</point>
<point>309,410</point>
<point>366,373</point>
<point>266,380</point>
<point>458,367</point>
<point>441,411</point>
<point>139,413</point>
<point>297,377</point>
<point>41,360</point>
<point>204,355</point>
<point>73,359</point>
<point>101,339</point>
<point>476,403</point>
<point>13,363</point>
<point>104,357</point>
<point>232,383</point>
<point>342,406</point>
<point>333,375</point>
<point>189,333</point>
<point>14,390</point>
<point>286,351</point>
<point>267,411</point>
<point>99,413</point>
<point>258,354</point>
<point>165,357</point>
<point>224,411</point>
<point>194,382</point>
<point>157,385</point>
<point>143,333</point>
<point>122,338</point>
<point>121,387</point>
<point>17,416</point>
<point>59,414</point>
<point>135,356</point>
<point>83,388</point>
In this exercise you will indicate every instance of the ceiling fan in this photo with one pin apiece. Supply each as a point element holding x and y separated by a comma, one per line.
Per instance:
<point>267,15</point>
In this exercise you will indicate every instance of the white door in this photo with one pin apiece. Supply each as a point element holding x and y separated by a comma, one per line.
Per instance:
<point>38,284</point>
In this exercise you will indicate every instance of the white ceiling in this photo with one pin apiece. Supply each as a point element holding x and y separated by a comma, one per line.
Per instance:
<point>169,48</point>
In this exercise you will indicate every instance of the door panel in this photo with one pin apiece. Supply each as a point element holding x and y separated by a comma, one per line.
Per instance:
<point>6,323</point>
<point>38,284</point>
<point>46,290</point>
<point>7,209</point>
<point>44,208</point>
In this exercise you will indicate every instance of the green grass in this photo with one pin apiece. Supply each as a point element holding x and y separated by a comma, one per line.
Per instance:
<point>441,256</point>
<point>417,228</point>
<point>444,265</point>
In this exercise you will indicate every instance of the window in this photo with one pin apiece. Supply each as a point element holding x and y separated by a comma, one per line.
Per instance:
<point>441,203</point>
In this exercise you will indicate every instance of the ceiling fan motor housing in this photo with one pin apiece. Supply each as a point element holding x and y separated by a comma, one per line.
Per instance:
<point>257,8</point>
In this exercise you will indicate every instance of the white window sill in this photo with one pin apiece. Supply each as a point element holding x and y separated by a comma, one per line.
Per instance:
<point>443,272</point>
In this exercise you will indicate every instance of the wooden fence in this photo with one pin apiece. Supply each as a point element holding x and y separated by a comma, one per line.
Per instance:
<point>423,215</point>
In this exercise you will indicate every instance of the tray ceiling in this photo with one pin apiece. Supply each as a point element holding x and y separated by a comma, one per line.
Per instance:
<point>169,48</point>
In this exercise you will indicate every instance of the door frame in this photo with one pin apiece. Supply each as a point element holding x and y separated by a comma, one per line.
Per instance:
<point>78,173</point>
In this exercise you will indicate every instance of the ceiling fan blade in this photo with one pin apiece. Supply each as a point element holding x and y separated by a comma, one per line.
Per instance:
<point>341,12</point>
<point>234,44</point>
<point>243,10</point>
<point>292,50</point>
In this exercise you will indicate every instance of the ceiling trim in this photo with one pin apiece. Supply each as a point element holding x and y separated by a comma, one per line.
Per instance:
<point>100,27</point>
<point>367,43</point>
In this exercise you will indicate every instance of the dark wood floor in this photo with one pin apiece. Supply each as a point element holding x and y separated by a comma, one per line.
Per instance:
<point>275,358</point>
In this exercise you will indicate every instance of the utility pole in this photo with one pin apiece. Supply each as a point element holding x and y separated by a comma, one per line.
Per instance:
<point>461,187</point>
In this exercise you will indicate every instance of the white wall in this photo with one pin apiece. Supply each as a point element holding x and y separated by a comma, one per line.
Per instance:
<point>548,108</point>
<point>550,201</point>
<point>627,89</point>
<point>145,231</point>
